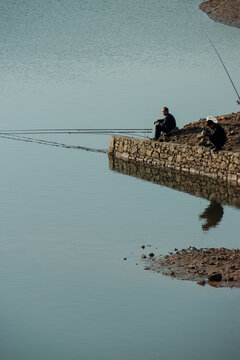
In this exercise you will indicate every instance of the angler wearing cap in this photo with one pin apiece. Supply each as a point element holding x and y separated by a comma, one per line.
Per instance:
<point>215,133</point>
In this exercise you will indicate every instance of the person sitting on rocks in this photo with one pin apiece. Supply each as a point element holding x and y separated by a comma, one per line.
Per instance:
<point>165,125</point>
<point>216,135</point>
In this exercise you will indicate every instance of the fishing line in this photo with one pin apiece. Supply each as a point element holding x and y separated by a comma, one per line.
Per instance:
<point>202,28</point>
<point>214,47</point>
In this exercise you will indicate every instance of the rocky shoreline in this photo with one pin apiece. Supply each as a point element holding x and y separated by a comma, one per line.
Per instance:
<point>217,267</point>
<point>190,133</point>
<point>224,11</point>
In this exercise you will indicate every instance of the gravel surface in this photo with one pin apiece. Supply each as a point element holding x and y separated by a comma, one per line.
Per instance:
<point>217,267</point>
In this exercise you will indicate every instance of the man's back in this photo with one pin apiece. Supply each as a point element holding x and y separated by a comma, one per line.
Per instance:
<point>218,131</point>
<point>169,122</point>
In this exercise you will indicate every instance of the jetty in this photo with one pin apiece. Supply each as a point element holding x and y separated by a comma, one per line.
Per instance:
<point>182,152</point>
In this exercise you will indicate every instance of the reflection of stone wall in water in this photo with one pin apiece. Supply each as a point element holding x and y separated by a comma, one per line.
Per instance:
<point>216,191</point>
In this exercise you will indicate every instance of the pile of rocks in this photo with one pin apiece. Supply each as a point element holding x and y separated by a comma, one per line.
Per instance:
<point>219,267</point>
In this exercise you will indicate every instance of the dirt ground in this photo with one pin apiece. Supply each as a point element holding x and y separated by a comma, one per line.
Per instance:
<point>224,11</point>
<point>190,133</point>
<point>217,267</point>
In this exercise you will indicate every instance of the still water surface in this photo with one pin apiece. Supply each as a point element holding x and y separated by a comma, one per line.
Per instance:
<point>68,220</point>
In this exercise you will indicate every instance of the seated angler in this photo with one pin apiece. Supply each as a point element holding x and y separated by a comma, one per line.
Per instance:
<point>166,125</point>
<point>216,135</point>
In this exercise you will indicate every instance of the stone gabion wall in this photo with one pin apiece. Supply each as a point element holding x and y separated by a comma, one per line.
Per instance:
<point>196,160</point>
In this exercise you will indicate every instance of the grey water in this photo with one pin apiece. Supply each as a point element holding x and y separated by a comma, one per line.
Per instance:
<point>68,220</point>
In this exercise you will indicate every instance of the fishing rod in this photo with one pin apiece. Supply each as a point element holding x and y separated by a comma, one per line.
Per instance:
<point>143,133</point>
<point>67,132</point>
<point>214,47</point>
<point>76,130</point>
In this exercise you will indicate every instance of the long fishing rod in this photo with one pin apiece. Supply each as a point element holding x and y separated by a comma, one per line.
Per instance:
<point>131,132</point>
<point>76,130</point>
<point>142,135</point>
<point>67,132</point>
<point>214,47</point>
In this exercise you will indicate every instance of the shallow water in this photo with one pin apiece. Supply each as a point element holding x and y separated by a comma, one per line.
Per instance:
<point>68,220</point>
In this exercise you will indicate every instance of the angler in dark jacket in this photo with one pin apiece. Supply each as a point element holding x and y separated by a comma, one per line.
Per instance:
<point>167,124</point>
<point>216,134</point>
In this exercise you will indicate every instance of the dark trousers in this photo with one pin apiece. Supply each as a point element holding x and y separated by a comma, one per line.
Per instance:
<point>158,130</point>
<point>217,142</point>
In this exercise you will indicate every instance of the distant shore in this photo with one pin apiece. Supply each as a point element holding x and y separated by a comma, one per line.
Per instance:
<point>224,11</point>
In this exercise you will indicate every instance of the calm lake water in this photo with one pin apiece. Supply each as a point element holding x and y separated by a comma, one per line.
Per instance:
<point>68,218</point>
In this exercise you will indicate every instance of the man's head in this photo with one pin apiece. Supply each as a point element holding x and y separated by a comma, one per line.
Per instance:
<point>210,124</point>
<point>165,110</point>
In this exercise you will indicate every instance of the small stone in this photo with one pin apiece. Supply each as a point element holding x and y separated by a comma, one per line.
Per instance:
<point>125,258</point>
<point>201,282</point>
<point>143,256</point>
<point>147,268</point>
<point>143,247</point>
<point>215,277</point>
<point>151,255</point>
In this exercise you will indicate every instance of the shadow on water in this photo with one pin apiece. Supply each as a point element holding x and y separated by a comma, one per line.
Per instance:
<point>217,191</point>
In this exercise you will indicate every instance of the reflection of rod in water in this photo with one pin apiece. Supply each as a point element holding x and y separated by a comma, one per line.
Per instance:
<point>51,143</point>
<point>214,47</point>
